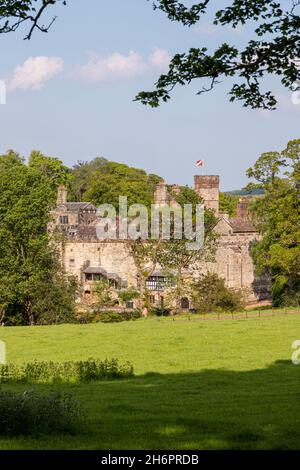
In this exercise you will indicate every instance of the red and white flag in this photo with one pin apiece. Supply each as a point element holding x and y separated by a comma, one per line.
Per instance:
<point>199,162</point>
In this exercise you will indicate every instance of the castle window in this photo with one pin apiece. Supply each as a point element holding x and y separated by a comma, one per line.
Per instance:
<point>64,220</point>
<point>95,277</point>
<point>129,304</point>
<point>72,262</point>
<point>157,283</point>
<point>152,299</point>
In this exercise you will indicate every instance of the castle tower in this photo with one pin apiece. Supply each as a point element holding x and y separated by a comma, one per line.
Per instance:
<point>207,187</point>
<point>62,195</point>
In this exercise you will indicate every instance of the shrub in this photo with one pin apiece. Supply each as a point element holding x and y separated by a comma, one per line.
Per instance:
<point>117,317</point>
<point>30,413</point>
<point>65,372</point>
<point>211,293</point>
<point>128,294</point>
<point>110,317</point>
<point>160,312</point>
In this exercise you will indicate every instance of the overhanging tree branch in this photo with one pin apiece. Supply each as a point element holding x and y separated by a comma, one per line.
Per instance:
<point>274,50</point>
<point>14,13</point>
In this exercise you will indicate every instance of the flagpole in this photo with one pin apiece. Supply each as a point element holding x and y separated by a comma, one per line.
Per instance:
<point>201,164</point>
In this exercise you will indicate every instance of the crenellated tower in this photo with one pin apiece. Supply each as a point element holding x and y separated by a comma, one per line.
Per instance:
<point>208,188</point>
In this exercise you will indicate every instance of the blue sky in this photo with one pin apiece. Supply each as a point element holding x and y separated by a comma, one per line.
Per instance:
<point>70,95</point>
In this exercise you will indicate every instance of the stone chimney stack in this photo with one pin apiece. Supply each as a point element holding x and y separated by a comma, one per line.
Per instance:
<point>207,187</point>
<point>62,195</point>
<point>160,196</point>
<point>242,209</point>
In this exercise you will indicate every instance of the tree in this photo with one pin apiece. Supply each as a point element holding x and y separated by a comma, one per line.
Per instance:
<point>52,169</point>
<point>102,181</point>
<point>145,254</point>
<point>267,168</point>
<point>175,257</point>
<point>228,204</point>
<point>272,50</point>
<point>83,175</point>
<point>104,293</point>
<point>211,293</point>
<point>14,13</point>
<point>277,217</point>
<point>33,288</point>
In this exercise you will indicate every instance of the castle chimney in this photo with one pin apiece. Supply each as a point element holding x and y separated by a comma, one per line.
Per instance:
<point>160,195</point>
<point>207,187</point>
<point>62,195</point>
<point>242,211</point>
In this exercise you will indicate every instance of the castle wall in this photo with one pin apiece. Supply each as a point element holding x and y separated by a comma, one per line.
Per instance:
<point>233,263</point>
<point>233,258</point>
<point>112,256</point>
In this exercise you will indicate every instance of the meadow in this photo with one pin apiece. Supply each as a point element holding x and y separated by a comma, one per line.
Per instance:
<point>226,384</point>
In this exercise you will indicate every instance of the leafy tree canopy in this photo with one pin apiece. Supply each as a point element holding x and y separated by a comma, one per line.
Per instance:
<point>277,216</point>
<point>228,204</point>
<point>32,287</point>
<point>101,181</point>
<point>272,50</point>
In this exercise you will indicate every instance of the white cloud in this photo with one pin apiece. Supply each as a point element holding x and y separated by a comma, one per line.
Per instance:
<point>113,67</point>
<point>160,59</point>
<point>35,72</point>
<point>119,67</point>
<point>288,103</point>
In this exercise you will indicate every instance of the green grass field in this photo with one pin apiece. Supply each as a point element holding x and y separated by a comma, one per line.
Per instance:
<point>198,385</point>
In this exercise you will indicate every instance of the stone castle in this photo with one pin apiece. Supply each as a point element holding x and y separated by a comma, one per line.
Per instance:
<point>90,259</point>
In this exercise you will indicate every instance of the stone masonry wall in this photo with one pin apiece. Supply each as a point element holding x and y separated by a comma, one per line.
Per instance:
<point>233,263</point>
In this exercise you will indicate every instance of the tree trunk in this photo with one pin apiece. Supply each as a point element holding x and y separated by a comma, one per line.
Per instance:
<point>178,291</point>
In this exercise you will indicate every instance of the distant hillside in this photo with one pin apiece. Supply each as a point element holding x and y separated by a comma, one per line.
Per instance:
<point>244,192</point>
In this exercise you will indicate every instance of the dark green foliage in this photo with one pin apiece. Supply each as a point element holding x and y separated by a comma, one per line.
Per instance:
<point>101,181</point>
<point>211,294</point>
<point>64,372</point>
<point>273,49</point>
<point>277,216</point>
<point>31,413</point>
<point>186,195</point>
<point>117,317</point>
<point>245,192</point>
<point>228,204</point>
<point>160,312</point>
<point>32,288</point>
<point>52,170</point>
<point>128,294</point>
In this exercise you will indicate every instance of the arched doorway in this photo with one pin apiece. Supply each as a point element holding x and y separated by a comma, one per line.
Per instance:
<point>185,303</point>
